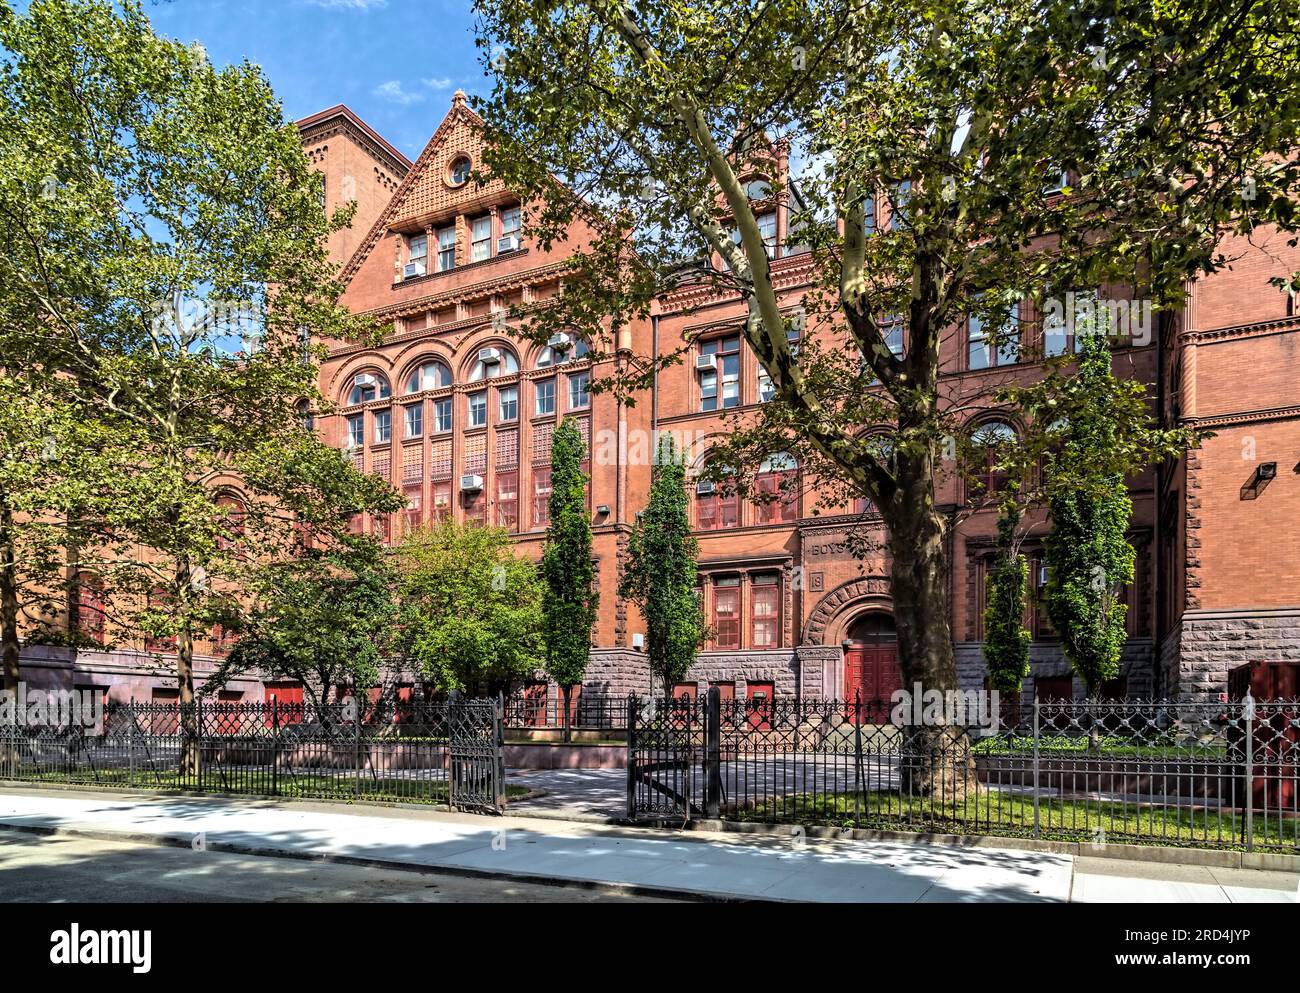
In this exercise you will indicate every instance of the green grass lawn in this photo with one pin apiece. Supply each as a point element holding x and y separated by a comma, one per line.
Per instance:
<point>1109,746</point>
<point>300,785</point>
<point>993,812</point>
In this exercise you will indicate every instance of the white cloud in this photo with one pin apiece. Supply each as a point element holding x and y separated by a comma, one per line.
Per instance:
<point>440,83</point>
<point>394,92</point>
<point>348,4</point>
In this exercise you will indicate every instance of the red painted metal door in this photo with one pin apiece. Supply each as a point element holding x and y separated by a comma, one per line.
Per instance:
<point>871,674</point>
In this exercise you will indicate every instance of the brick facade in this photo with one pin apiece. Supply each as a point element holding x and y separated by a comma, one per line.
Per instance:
<point>1218,574</point>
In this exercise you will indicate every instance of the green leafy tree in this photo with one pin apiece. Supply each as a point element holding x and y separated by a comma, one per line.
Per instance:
<point>1089,558</point>
<point>1006,641</point>
<point>54,467</point>
<point>168,259</point>
<point>928,141</point>
<point>470,608</point>
<point>661,577</point>
<point>326,620</point>
<point>570,600</point>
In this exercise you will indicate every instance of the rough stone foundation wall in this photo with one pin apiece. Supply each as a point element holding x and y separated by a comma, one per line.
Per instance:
<point>1213,642</point>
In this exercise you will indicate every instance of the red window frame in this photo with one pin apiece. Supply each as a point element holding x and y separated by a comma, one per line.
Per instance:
<point>476,508</point>
<point>726,624</point>
<point>784,509</point>
<point>541,496</point>
<point>508,500</point>
<point>715,511</point>
<point>91,615</point>
<point>765,611</point>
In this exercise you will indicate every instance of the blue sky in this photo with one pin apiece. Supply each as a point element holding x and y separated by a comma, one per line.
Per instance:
<point>394,62</point>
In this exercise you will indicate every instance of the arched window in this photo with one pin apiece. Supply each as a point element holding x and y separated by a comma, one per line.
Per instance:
<point>233,527</point>
<point>562,348</point>
<point>368,386</point>
<point>716,505</point>
<point>429,376</point>
<point>777,482</point>
<point>992,438</point>
<point>493,362</point>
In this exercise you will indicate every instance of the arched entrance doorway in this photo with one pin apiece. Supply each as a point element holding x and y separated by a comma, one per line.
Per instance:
<point>871,665</point>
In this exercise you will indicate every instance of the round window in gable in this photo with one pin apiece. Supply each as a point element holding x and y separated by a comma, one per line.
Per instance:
<point>459,172</point>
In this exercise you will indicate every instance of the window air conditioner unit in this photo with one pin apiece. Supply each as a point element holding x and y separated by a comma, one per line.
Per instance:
<point>705,362</point>
<point>559,340</point>
<point>706,488</point>
<point>413,269</point>
<point>488,356</point>
<point>364,379</point>
<point>508,243</point>
<point>471,483</point>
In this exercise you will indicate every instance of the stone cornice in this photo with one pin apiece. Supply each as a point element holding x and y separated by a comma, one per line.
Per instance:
<point>1243,417</point>
<point>1256,330</point>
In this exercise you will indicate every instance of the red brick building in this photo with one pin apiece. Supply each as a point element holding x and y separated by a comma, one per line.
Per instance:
<point>457,411</point>
<point>792,609</point>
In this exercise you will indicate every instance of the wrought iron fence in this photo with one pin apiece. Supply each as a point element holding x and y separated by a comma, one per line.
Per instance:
<point>448,752</point>
<point>588,712</point>
<point>1217,775</point>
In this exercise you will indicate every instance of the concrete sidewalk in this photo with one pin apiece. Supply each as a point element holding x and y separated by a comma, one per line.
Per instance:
<point>649,861</point>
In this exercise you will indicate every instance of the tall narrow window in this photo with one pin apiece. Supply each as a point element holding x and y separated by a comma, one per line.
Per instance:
<point>580,391</point>
<point>446,248</point>
<point>766,609</point>
<point>383,426</point>
<point>720,379</point>
<point>441,501</point>
<point>508,403</point>
<point>477,403</point>
<point>414,416</point>
<point>476,507</point>
<point>511,229</point>
<point>356,431</point>
<point>777,482</point>
<point>90,607</point>
<point>892,331</point>
<point>508,500</point>
<point>442,415</point>
<point>417,261</point>
<point>726,612</point>
<point>767,228</point>
<point>541,496</point>
<point>545,393</point>
<point>480,239</point>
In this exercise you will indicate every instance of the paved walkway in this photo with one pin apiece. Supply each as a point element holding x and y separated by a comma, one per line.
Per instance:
<point>703,865</point>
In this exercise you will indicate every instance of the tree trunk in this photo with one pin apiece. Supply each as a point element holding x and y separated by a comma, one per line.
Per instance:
<point>936,760</point>
<point>185,673</point>
<point>568,730</point>
<point>12,648</point>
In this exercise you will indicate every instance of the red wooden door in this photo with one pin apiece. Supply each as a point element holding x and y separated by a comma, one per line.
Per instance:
<point>761,696</point>
<point>871,674</point>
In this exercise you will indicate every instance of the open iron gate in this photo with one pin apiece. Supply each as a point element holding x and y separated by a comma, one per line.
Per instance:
<point>668,740</point>
<point>477,779</point>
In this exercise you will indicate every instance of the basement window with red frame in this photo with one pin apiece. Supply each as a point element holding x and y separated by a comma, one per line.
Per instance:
<point>726,613</point>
